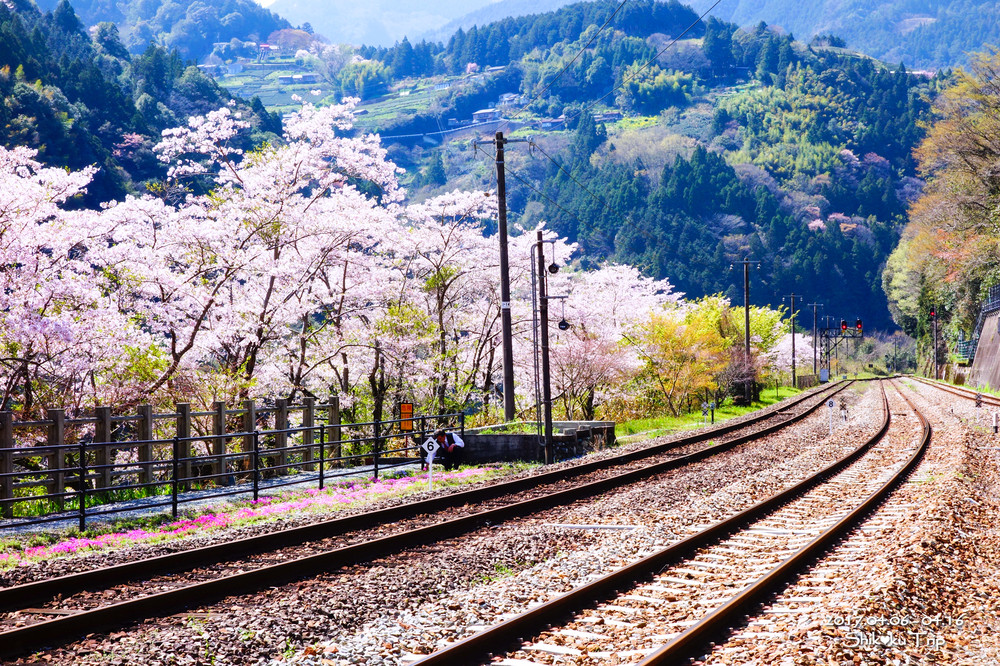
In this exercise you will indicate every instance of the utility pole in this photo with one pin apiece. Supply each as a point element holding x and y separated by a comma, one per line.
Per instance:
<point>506,325</point>
<point>934,350</point>
<point>747,388</point>
<point>814,306</point>
<point>792,297</point>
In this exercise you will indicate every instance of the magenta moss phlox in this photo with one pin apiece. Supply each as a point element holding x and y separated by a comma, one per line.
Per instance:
<point>344,494</point>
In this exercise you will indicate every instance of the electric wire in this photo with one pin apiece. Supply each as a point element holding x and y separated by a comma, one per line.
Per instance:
<point>559,166</point>
<point>526,183</point>
<point>538,95</point>
<point>508,121</point>
<point>579,53</point>
<point>648,62</point>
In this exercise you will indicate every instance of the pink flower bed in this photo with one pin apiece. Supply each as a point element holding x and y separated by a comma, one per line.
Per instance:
<point>331,498</point>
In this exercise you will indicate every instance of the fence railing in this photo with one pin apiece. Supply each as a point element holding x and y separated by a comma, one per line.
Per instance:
<point>64,467</point>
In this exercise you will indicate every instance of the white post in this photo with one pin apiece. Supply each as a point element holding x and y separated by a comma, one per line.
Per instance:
<point>431,447</point>
<point>830,405</point>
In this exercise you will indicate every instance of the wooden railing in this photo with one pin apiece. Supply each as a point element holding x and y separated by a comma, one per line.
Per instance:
<point>64,464</point>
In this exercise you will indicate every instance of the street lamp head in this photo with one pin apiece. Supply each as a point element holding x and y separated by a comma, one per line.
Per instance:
<point>553,268</point>
<point>564,325</point>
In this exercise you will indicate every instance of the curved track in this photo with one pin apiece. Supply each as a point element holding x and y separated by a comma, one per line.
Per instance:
<point>765,535</point>
<point>75,622</point>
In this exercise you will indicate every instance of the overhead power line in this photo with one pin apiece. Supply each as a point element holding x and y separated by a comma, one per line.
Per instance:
<point>570,63</point>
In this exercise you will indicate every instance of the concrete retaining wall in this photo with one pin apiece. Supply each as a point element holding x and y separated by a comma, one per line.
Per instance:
<point>570,438</point>
<point>985,369</point>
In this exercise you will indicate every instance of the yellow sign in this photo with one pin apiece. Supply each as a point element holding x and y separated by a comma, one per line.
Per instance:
<point>406,416</point>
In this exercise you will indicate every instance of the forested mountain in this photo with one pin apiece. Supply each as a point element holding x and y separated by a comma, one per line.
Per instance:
<point>925,34</point>
<point>188,26</point>
<point>736,144</point>
<point>84,101</point>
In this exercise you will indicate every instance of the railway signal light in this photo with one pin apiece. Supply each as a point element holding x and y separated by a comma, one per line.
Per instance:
<point>933,313</point>
<point>843,324</point>
<point>857,325</point>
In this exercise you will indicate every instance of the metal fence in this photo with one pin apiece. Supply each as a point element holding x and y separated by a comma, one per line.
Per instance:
<point>64,467</point>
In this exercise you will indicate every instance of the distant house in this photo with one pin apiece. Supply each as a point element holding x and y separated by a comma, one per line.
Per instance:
<point>211,70</point>
<point>510,99</point>
<point>442,86</point>
<point>495,68</point>
<point>286,78</point>
<point>455,123</point>
<point>305,78</point>
<point>485,116</point>
<point>609,117</point>
<point>552,124</point>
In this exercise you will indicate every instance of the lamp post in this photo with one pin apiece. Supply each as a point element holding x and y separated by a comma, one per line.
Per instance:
<point>541,336</point>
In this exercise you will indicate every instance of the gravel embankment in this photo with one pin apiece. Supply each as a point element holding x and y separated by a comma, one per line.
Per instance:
<point>919,583</point>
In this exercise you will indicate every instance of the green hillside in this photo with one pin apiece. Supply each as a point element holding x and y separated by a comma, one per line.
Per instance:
<point>82,99</point>
<point>924,35</point>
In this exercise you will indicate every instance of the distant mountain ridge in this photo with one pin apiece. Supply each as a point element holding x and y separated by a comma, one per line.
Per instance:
<point>923,34</point>
<point>493,12</point>
<point>377,22</point>
<point>189,26</point>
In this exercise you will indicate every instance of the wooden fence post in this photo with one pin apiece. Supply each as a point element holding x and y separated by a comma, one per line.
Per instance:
<point>308,421</point>
<point>145,449</point>
<point>281,438</point>
<point>57,458</point>
<point>218,439</point>
<point>184,445</point>
<point>102,435</point>
<point>6,463</point>
<point>249,425</point>
<point>333,419</point>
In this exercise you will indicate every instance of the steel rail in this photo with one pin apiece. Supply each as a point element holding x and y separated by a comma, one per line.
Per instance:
<point>501,637</point>
<point>62,629</point>
<point>960,392</point>
<point>714,627</point>
<point>42,591</point>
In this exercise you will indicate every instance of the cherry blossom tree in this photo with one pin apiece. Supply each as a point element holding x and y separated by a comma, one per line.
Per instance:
<point>602,307</point>
<point>241,280</point>
<point>63,336</point>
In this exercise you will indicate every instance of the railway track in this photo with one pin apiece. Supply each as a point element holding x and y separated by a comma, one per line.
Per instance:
<point>68,622</point>
<point>680,599</point>
<point>969,394</point>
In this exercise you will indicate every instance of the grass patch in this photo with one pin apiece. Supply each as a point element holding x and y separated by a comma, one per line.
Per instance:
<point>647,428</point>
